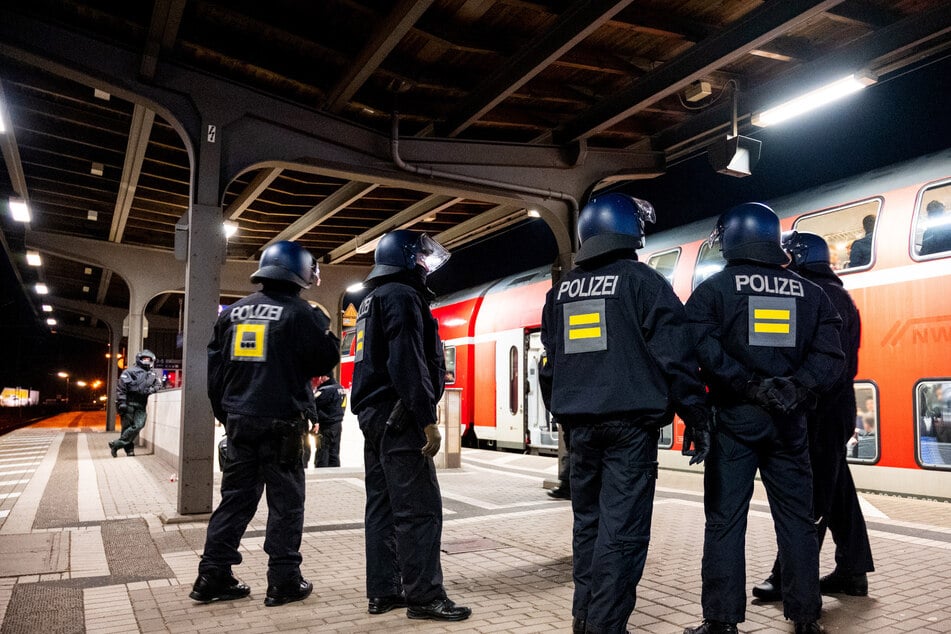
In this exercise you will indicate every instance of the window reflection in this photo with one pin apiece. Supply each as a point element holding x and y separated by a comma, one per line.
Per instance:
<point>709,261</point>
<point>665,263</point>
<point>933,229</point>
<point>864,445</point>
<point>933,409</point>
<point>849,232</point>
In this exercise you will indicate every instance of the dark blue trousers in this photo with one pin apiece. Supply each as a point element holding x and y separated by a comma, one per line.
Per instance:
<point>779,450</point>
<point>403,512</point>
<point>835,503</point>
<point>255,465</point>
<point>613,476</point>
<point>329,453</point>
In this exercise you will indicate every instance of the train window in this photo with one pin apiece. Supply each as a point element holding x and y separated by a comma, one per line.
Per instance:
<point>933,407</point>
<point>849,231</point>
<point>933,226</point>
<point>664,263</point>
<point>450,354</point>
<point>863,446</point>
<point>709,261</point>
<point>513,380</point>
<point>347,341</point>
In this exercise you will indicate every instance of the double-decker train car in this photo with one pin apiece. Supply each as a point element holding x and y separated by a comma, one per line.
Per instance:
<point>899,274</point>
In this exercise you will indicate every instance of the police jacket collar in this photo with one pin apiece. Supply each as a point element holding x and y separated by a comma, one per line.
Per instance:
<point>404,276</point>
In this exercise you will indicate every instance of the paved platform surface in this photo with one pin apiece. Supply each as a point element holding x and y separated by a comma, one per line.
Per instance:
<point>82,549</point>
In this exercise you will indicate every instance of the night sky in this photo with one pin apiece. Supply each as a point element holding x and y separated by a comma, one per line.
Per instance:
<point>895,120</point>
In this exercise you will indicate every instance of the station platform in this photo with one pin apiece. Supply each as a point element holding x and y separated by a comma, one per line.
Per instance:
<point>83,549</point>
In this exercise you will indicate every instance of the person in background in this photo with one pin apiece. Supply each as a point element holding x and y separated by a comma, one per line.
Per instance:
<point>860,252</point>
<point>831,425</point>
<point>937,237</point>
<point>399,374</point>
<point>768,343</point>
<point>562,491</point>
<point>263,352</point>
<point>330,400</point>
<point>619,363</point>
<point>133,389</point>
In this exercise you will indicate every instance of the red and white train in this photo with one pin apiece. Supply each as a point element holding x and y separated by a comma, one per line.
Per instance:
<point>903,430</point>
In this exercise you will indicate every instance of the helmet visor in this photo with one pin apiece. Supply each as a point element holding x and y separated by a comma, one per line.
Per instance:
<point>645,211</point>
<point>314,272</point>
<point>715,240</point>
<point>431,255</point>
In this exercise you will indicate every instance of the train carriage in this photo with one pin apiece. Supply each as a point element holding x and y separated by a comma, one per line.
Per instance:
<point>902,288</point>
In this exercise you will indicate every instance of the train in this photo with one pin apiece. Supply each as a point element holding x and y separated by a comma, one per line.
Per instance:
<point>902,442</point>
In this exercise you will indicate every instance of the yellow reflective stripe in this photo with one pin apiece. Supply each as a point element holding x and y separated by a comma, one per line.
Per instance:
<point>584,318</point>
<point>584,333</point>
<point>768,313</point>
<point>778,328</point>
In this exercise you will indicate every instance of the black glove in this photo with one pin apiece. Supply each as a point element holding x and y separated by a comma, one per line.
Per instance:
<point>780,394</point>
<point>700,440</point>
<point>121,407</point>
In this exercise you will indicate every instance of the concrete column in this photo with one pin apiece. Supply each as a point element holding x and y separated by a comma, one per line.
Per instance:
<point>202,282</point>
<point>115,340</point>
<point>203,270</point>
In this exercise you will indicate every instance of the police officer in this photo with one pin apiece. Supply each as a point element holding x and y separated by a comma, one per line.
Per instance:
<point>831,425</point>
<point>329,400</point>
<point>768,342</point>
<point>398,377</point>
<point>619,364</point>
<point>135,386</point>
<point>262,355</point>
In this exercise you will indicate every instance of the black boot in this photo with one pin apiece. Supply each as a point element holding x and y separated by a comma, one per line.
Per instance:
<point>286,593</point>
<point>560,492</point>
<point>712,627</point>
<point>380,605</point>
<point>839,583</point>
<point>439,610</point>
<point>218,587</point>
<point>812,627</point>
<point>769,590</point>
<point>577,626</point>
<point>113,450</point>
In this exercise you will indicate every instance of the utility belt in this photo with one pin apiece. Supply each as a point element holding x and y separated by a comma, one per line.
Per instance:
<point>287,439</point>
<point>655,421</point>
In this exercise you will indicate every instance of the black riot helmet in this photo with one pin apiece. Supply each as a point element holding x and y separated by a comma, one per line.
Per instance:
<point>145,359</point>
<point>288,262</point>
<point>806,248</point>
<point>404,250</point>
<point>749,232</point>
<point>611,222</point>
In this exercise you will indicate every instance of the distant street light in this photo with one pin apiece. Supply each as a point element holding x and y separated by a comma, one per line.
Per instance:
<point>65,375</point>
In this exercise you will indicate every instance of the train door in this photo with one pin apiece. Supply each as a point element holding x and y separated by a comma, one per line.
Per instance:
<point>509,390</point>
<point>542,431</point>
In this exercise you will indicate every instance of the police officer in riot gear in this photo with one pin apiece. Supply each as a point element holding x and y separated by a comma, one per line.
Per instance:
<point>831,425</point>
<point>619,365</point>
<point>135,386</point>
<point>262,355</point>
<point>768,343</point>
<point>398,377</point>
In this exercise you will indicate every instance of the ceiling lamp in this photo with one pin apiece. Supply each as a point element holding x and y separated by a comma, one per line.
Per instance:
<point>33,258</point>
<point>814,99</point>
<point>41,289</point>
<point>230,228</point>
<point>19,210</point>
